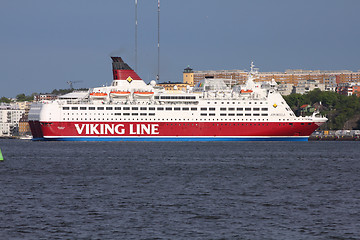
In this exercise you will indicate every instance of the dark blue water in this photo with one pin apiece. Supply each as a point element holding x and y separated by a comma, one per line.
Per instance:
<point>180,190</point>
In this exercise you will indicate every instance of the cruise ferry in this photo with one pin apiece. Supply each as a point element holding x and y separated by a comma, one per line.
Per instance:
<point>131,110</point>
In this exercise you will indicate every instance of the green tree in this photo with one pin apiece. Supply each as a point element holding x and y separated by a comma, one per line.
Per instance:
<point>21,97</point>
<point>5,100</point>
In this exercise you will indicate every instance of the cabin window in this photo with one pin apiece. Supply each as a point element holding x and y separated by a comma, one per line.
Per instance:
<point>66,108</point>
<point>74,108</point>
<point>160,108</point>
<point>239,109</point>
<point>247,114</point>
<point>134,108</point>
<point>185,109</point>
<point>126,108</point>
<point>222,109</point>
<point>143,108</point>
<point>168,108</point>
<point>82,108</point>
<point>100,108</point>
<point>117,113</point>
<point>177,109</point>
<point>126,114</point>
<point>239,114</point>
<point>203,109</point>
<point>151,114</point>
<point>264,109</point>
<point>211,109</point>
<point>193,109</point>
<point>231,109</point>
<point>247,109</point>
<point>264,114</point>
<point>117,108</point>
<point>203,114</point>
<point>256,109</point>
<point>134,114</point>
<point>109,108</point>
<point>222,114</point>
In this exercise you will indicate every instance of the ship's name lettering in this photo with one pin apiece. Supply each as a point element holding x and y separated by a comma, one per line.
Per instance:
<point>277,114</point>
<point>120,129</point>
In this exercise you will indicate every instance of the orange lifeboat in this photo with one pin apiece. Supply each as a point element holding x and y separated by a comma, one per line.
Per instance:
<point>98,95</point>
<point>246,91</point>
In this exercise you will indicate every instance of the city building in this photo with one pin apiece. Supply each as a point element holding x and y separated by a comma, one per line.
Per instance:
<point>349,89</point>
<point>173,86</point>
<point>286,88</point>
<point>291,76</point>
<point>42,97</point>
<point>306,86</point>
<point>24,127</point>
<point>9,120</point>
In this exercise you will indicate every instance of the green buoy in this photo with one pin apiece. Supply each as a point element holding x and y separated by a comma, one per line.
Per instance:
<point>1,156</point>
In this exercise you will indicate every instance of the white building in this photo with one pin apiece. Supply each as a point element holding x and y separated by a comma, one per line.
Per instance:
<point>306,86</point>
<point>285,88</point>
<point>9,120</point>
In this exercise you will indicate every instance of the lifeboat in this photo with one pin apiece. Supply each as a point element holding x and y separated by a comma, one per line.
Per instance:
<point>143,94</point>
<point>246,91</point>
<point>119,94</point>
<point>98,95</point>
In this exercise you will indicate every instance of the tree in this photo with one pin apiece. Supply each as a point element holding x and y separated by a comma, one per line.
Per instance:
<point>21,97</point>
<point>5,100</point>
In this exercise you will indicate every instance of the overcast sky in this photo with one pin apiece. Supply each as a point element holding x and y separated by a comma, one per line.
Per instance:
<point>45,43</point>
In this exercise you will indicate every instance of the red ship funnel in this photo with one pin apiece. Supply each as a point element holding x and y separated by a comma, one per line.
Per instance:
<point>122,71</point>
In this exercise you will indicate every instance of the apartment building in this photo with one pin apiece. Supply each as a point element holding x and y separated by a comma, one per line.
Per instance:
<point>9,120</point>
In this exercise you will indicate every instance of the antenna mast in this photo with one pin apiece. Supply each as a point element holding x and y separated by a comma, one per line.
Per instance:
<point>158,73</point>
<point>136,24</point>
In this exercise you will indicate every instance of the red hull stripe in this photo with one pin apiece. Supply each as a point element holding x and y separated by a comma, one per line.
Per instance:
<point>179,129</point>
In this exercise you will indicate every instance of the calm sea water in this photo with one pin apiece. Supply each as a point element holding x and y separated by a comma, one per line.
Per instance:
<point>179,190</point>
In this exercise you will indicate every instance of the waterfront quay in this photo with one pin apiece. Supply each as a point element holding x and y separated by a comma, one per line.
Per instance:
<point>338,135</point>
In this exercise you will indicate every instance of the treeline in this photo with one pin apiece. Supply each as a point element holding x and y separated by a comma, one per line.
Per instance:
<point>339,109</point>
<point>22,97</point>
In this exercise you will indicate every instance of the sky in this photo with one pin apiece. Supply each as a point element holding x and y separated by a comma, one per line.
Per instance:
<point>46,43</point>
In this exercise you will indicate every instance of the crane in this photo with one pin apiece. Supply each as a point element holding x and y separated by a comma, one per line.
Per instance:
<point>71,83</point>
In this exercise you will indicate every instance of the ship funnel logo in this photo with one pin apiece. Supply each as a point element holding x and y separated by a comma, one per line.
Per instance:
<point>129,79</point>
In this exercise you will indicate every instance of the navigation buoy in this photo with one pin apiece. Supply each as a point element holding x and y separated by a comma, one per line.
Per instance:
<point>1,156</point>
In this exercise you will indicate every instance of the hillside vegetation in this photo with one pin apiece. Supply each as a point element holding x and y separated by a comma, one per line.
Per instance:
<point>339,109</point>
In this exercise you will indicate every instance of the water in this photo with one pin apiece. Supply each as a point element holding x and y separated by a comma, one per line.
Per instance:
<point>179,190</point>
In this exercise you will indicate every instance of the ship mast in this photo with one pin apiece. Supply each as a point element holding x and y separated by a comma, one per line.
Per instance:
<point>136,24</point>
<point>158,72</point>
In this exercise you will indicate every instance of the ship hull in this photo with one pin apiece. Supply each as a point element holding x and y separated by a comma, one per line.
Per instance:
<point>173,131</point>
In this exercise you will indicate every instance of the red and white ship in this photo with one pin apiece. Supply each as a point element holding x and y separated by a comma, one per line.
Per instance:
<point>131,110</point>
